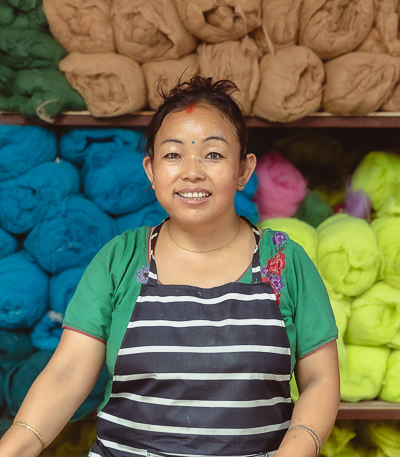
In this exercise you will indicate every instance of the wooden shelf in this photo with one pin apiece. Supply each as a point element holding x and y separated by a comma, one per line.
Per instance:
<point>142,118</point>
<point>369,410</point>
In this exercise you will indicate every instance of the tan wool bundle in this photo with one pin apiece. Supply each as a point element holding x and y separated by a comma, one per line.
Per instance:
<point>110,84</point>
<point>359,82</point>
<point>148,30</point>
<point>383,35</point>
<point>291,84</point>
<point>214,21</point>
<point>234,60</point>
<point>169,71</point>
<point>81,25</point>
<point>281,21</point>
<point>334,27</point>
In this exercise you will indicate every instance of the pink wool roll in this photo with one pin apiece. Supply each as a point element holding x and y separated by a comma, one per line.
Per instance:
<point>281,187</point>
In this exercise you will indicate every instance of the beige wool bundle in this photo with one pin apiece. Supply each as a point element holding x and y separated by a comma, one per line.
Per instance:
<point>81,25</point>
<point>169,73</point>
<point>110,84</point>
<point>359,82</point>
<point>214,21</point>
<point>291,84</point>
<point>147,30</point>
<point>234,60</point>
<point>334,27</point>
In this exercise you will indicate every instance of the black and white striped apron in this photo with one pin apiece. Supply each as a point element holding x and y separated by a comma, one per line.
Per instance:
<point>200,372</point>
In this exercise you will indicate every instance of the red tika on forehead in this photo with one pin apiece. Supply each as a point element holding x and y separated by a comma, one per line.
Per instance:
<point>190,109</point>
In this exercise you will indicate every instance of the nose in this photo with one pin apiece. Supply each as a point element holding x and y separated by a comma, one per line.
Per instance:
<point>193,169</point>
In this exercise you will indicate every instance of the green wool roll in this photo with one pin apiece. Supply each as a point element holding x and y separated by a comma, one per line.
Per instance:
<point>391,384</point>
<point>387,229</point>
<point>21,49</point>
<point>378,175</point>
<point>383,434</point>
<point>376,452</point>
<point>7,78</point>
<point>362,376</point>
<point>347,254</point>
<point>313,209</point>
<point>342,433</point>
<point>299,231</point>
<point>375,316</point>
<point>11,17</point>
<point>355,448</point>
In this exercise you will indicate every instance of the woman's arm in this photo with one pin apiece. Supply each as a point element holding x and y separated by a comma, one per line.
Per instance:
<point>317,377</point>
<point>56,394</point>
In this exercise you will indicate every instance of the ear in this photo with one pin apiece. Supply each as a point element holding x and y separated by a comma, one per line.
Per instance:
<point>247,167</point>
<point>148,168</point>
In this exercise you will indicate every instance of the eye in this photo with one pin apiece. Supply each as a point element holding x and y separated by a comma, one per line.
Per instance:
<point>214,155</point>
<point>172,155</point>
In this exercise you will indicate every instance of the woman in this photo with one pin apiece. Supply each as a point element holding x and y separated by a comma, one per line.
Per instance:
<point>204,317</point>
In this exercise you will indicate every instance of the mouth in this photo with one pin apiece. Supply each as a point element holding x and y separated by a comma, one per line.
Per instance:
<point>197,196</point>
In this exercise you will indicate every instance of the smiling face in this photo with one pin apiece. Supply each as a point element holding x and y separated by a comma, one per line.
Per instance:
<point>196,168</point>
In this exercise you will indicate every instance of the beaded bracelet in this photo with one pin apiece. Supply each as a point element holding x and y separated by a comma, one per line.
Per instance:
<point>33,430</point>
<point>313,433</point>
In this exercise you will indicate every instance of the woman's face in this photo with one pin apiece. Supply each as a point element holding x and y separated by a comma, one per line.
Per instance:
<point>196,167</point>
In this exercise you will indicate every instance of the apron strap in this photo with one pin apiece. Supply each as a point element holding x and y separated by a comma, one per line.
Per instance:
<point>255,265</point>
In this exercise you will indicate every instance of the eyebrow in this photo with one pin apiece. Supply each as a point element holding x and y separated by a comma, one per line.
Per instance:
<point>214,137</point>
<point>172,140</point>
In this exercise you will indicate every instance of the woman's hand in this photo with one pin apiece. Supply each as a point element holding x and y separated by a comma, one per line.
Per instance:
<point>56,394</point>
<point>317,377</point>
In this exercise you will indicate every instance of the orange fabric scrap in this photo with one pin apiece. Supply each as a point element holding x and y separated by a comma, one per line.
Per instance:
<point>291,84</point>
<point>234,60</point>
<point>214,21</point>
<point>81,25</point>
<point>334,27</point>
<point>148,30</point>
<point>169,71</point>
<point>359,82</point>
<point>110,84</point>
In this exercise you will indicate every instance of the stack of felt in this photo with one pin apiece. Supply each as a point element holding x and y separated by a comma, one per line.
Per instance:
<point>150,215</point>
<point>244,204</point>
<point>391,386</point>
<point>47,332</point>
<point>24,199</point>
<point>348,256</point>
<point>387,229</point>
<point>8,244</point>
<point>23,291</point>
<point>69,234</point>
<point>23,148</point>
<point>62,288</point>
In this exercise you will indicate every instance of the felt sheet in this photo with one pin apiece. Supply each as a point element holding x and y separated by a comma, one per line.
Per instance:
<point>363,375</point>
<point>378,175</point>
<point>109,83</point>
<point>147,30</point>
<point>23,293</point>
<point>71,232</point>
<point>22,49</point>
<point>291,84</point>
<point>117,182</point>
<point>375,316</point>
<point>359,82</point>
<point>335,27</point>
<point>298,231</point>
<point>214,21</point>
<point>391,386</point>
<point>387,229</point>
<point>347,254</point>
<point>150,215</point>
<point>8,244</point>
<point>24,199</point>
<point>77,144</point>
<point>47,332</point>
<point>81,25</point>
<point>15,346</point>
<point>169,71</point>
<point>23,148</point>
<point>383,434</point>
<point>62,288</point>
<point>234,60</point>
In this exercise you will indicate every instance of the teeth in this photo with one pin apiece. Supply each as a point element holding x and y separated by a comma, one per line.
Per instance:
<point>194,195</point>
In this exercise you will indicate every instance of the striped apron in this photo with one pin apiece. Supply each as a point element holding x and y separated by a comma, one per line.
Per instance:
<point>200,372</point>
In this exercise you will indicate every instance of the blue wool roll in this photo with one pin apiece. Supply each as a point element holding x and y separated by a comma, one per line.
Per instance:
<point>23,148</point>
<point>69,235</point>
<point>245,207</point>
<point>15,345</point>
<point>2,397</point>
<point>47,332</point>
<point>8,244</point>
<point>251,187</point>
<point>77,144</point>
<point>24,199</point>
<point>62,288</point>
<point>150,215</point>
<point>23,291</point>
<point>117,183</point>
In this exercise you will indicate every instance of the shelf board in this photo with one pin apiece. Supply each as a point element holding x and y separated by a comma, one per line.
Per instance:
<point>142,119</point>
<point>369,410</point>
